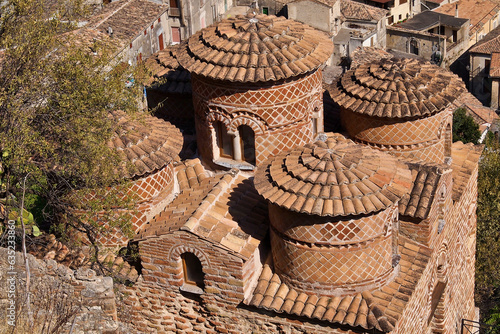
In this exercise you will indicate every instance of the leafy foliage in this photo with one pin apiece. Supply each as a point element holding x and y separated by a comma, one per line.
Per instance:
<point>488,233</point>
<point>55,98</point>
<point>464,127</point>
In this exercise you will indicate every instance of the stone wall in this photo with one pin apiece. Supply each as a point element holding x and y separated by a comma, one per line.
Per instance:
<point>61,290</point>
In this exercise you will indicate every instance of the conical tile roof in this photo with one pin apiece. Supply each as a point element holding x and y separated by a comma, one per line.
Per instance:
<point>255,48</point>
<point>145,146</point>
<point>333,178</point>
<point>397,88</point>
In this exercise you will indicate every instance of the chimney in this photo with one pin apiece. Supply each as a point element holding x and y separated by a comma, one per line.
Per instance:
<point>456,9</point>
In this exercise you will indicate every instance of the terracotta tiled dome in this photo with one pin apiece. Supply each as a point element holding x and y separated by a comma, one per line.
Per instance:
<point>255,48</point>
<point>148,145</point>
<point>397,88</point>
<point>332,178</point>
<point>167,74</point>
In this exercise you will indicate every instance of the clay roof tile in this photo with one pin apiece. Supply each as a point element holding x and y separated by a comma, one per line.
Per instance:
<point>272,47</point>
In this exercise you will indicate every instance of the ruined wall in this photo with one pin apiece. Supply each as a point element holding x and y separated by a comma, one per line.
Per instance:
<point>92,295</point>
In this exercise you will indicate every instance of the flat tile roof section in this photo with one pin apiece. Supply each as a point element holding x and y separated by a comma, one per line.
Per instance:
<point>255,48</point>
<point>397,88</point>
<point>428,19</point>
<point>225,210</point>
<point>146,144</point>
<point>127,18</point>
<point>489,44</point>
<point>333,178</point>
<point>479,12</point>
<point>167,74</point>
<point>376,309</point>
<point>464,160</point>
<point>359,11</point>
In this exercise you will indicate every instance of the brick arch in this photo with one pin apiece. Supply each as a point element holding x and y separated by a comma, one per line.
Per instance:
<point>212,117</point>
<point>257,126</point>
<point>176,252</point>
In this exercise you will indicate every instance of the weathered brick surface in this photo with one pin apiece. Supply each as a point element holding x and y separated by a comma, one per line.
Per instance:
<point>422,138</point>
<point>279,113</point>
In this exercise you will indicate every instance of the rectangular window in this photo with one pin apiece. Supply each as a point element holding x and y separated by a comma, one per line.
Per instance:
<point>402,2</point>
<point>160,42</point>
<point>265,10</point>
<point>176,35</point>
<point>390,20</point>
<point>151,27</point>
<point>224,141</point>
<point>174,4</point>
<point>145,32</point>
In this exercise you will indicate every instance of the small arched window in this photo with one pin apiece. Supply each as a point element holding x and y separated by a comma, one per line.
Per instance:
<point>414,46</point>
<point>224,141</point>
<point>193,270</point>
<point>247,143</point>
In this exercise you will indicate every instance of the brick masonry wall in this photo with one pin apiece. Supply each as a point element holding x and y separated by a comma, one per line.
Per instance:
<point>155,310</point>
<point>419,138</point>
<point>94,294</point>
<point>335,257</point>
<point>452,263</point>
<point>224,273</point>
<point>151,193</point>
<point>279,113</point>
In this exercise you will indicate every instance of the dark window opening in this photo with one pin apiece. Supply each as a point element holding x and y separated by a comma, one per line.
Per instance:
<point>265,10</point>
<point>224,141</point>
<point>193,270</point>
<point>455,36</point>
<point>414,47</point>
<point>174,4</point>
<point>247,143</point>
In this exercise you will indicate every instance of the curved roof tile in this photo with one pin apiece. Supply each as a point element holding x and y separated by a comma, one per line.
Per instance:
<point>145,145</point>
<point>166,72</point>
<point>397,88</point>
<point>255,48</point>
<point>333,178</point>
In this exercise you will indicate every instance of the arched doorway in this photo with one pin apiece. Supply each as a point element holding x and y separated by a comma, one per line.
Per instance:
<point>414,46</point>
<point>247,137</point>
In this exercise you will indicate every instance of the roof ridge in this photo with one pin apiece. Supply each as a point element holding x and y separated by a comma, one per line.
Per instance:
<point>212,197</point>
<point>112,13</point>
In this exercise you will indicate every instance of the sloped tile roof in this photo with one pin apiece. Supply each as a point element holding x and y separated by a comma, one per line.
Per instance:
<point>145,145</point>
<point>427,19</point>
<point>426,178</point>
<point>127,18</point>
<point>359,11</point>
<point>255,48</point>
<point>475,109</point>
<point>489,44</point>
<point>477,11</point>
<point>397,88</point>
<point>190,174</point>
<point>167,74</point>
<point>369,54</point>
<point>333,178</point>
<point>377,309</point>
<point>464,160</point>
<point>225,210</point>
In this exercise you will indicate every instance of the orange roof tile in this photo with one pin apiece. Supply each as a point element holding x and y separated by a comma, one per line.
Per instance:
<point>333,178</point>
<point>167,74</point>
<point>489,44</point>
<point>127,18</point>
<point>225,210</point>
<point>359,11</point>
<point>255,48</point>
<point>377,309</point>
<point>147,145</point>
<point>478,11</point>
<point>368,54</point>
<point>426,178</point>
<point>465,158</point>
<point>397,88</point>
